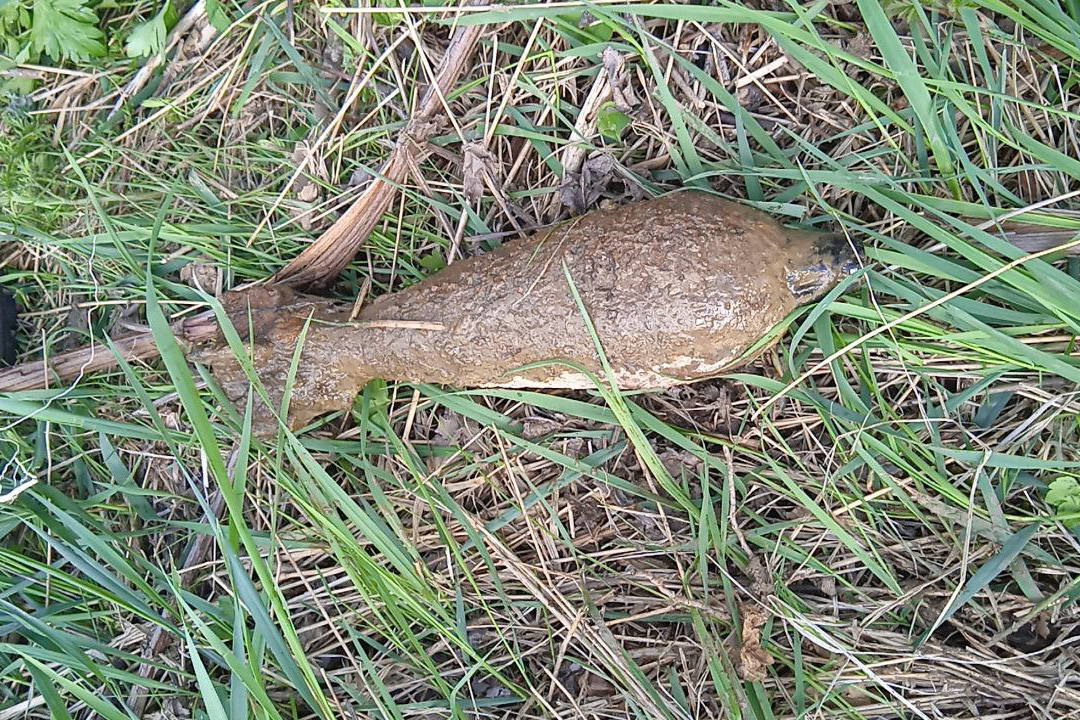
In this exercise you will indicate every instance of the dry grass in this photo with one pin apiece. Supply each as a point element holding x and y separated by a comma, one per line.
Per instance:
<point>877,542</point>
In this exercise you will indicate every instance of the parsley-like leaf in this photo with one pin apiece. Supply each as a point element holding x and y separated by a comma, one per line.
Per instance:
<point>216,15</point>
<point>1064,495</point>
<point>66,30</point>
<point>147,38</point>
<point>13,17</point>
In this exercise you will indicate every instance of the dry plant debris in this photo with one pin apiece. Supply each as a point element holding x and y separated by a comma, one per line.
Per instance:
<point>508,554</point>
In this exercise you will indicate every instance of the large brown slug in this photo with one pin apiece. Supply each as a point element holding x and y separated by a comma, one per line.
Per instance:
<point>678,288</point>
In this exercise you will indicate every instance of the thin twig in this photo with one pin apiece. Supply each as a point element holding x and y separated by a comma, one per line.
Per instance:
<point>96,357</point>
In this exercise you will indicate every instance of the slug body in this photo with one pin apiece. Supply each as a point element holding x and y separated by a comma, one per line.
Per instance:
<point>678,288</point>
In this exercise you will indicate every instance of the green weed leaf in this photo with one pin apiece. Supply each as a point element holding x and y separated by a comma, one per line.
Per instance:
<point>1064,495</point>
<point>13,17</point>
<point>216,15</point>
<point>66,30</point>
<point>433,262</point>
<point>611,122</point>
<point>147,38</point>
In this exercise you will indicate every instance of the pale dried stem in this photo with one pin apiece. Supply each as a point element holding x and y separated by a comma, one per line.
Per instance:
<point>97,356</point>
<point>328,255</point>
<point>317,264</point>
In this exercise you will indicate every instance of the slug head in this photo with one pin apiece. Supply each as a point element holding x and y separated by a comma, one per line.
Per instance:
<point>817,262</point>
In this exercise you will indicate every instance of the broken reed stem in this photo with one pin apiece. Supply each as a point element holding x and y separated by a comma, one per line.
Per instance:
<point>318,264</point>
<point>327,256</point>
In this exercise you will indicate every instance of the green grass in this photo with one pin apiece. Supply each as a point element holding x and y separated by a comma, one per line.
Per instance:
<point>455,553</point>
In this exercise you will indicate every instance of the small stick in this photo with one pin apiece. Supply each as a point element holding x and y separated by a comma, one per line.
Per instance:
<point>95,357</point>
<point>360,298</point>
<point>320,262</point>
<point>328,255</point>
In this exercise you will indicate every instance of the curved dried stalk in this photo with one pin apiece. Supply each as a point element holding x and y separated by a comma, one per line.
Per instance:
<point>318,264</point>
<point>326,257</point>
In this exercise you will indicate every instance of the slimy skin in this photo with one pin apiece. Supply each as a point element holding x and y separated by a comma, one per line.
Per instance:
<point>678,288</point>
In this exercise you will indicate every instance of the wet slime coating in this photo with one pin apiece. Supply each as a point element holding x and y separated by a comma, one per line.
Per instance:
<point>678,287</point>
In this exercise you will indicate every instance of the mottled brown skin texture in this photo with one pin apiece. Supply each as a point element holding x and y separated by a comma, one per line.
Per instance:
<point>678,288</point>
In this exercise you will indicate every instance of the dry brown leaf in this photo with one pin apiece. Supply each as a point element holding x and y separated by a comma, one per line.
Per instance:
<point>622,92</point>
<point>452,429</point>
<point>474,166</point>
<point>359,178</point>
<point>677,462</point>
<point>753,660</point>
<point>202,277</point>
<point>535,427</point>
<point>582,189</point>
<point>861,46</point>
<point>77,322</point>
<point>761,579</point>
